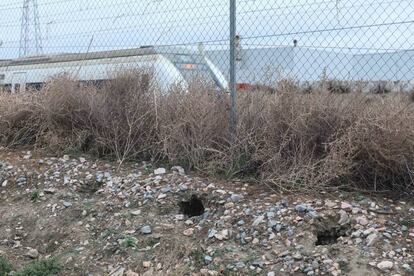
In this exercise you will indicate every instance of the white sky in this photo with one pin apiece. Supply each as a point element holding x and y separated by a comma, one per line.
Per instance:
<point>73,25</point>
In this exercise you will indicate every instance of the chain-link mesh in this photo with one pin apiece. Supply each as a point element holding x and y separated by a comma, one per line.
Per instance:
<point>364,41</point>
<point>344,40</point>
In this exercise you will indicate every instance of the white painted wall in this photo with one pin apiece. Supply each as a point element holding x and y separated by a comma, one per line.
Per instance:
<point>305,64</point>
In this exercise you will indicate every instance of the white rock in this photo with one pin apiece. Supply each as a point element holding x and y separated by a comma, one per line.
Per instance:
<point>135,212</point>
<point>4,184</point>
<point>188,232</point>
<point>161,196</point>
<point>346,206</point>
<point>178,169</point>
<point>330,204</point>
<point>372,239</point>
<point>258,220</point>
<point>344,218</point>
<point>362,220</point>
<point>385,265</point>
<point>32,253</point>
<point>160,171</point>
<point>146,230</point>
<point>369,231</point>
<point>146,264</point>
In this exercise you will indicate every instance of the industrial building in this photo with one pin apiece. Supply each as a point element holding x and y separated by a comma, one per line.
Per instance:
<point>263,65</point>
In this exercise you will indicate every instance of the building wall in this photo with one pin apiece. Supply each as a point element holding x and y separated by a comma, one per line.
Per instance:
<point>396,66</point>
<point>266,65</point>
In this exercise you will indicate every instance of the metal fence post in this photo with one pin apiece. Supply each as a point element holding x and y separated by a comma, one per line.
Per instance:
<point>233,94</point>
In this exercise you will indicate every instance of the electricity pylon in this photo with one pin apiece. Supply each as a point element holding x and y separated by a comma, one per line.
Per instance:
<point>30,35</point>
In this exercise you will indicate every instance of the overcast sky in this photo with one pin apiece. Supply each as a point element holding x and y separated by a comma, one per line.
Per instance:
<point>76,25</point>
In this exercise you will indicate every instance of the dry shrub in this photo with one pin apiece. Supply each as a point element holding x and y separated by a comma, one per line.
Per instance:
<point>67,109</point>
<point>193,126</point>
<point>288,134</point>
<point>287,138</point>
<point>125,116</point>
<point>319,140</point>
<point>376,151</point>
<point>20,119</point>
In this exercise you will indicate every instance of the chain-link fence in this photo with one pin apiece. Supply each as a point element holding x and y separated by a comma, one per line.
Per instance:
<point>357,41</point>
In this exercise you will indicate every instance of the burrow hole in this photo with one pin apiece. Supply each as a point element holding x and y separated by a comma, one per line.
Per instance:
<point>330,233</point>
<point>193,207</point>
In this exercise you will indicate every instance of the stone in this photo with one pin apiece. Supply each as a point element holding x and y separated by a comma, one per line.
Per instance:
<point>385,265</point>
<point>362,220</point>
<point>407,268</point>
<point>343,218</point>
<point>166,189</point>
<point>369,231</point>
<point>178,169</point>
<point>223,235</point>
<point>32,253</point>
<point>356,234</point>
<point>146,230</point>
<point>119,271</point>
<point>183,187</point>
<point>50,191</point>
<point>208,259</point>
<point>135,212</point>
<point>330,204</point>
<point>131,273</point>
<point>67,204</point>
<point>21,181</point>
<point>372,239</point>
<point>212,233</point>
<point>236,197</point>
<point>146,264</point>
<point>302,208</point>
<point>346,206</point>
<point>160,171</point>
<point>161,196</point>
<point>4,184</point>
<point>297,256</point>
<point>188,232</point>
<point>258,220</point>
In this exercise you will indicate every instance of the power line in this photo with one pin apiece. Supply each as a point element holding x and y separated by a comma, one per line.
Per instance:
<point>331,29</point>
<point>264,11</point>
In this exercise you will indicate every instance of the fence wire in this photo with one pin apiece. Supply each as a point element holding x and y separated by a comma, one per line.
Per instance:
<point>353,41</point>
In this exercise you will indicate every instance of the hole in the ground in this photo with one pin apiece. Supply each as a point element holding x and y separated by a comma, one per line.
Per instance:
<point>329,236</point>
<point>193,207</point>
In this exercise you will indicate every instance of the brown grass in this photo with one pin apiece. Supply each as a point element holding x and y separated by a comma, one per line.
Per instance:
<point>287,138</point>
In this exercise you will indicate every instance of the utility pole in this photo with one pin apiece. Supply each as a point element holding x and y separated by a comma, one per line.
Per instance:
<point>30,35</point>
<point>233,79</point>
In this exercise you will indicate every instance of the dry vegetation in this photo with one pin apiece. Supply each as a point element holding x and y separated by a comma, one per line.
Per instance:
<point>287,137</point>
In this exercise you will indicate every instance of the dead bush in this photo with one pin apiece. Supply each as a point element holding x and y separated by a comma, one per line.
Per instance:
<point>67,109</point>
<point>20,119</point>
<point>193,126</point>
<point>376,152</point>
<point>286,138</point>
<point>125,116</point>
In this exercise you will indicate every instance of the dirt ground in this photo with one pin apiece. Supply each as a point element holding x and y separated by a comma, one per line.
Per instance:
<point>96,219</point>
